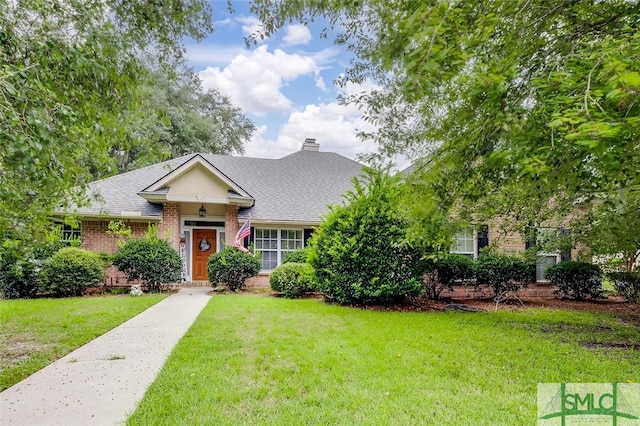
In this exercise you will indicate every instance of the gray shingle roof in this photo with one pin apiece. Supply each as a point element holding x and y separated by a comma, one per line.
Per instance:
<point>296,188</point>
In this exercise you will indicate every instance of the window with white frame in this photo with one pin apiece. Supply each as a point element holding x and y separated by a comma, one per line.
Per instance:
<point>545,259</point>
<point>290,240</point>
<point>70,233</point>
<point>465,242</point>
<point>542,263</point>
<point>266,242</point>
<point>273,244</point>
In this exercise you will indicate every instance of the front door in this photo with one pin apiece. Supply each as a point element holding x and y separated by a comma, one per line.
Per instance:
<point>204,245</point>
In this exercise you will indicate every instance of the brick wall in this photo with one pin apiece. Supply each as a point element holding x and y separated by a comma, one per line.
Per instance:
<point>95,237</point>
<point>231,226</point>
<point>506,242</point>
<point>169,227</point>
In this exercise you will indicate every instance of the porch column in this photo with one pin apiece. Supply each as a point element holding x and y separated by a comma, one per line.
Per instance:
<point>230,223</point>
<point>169,227</point>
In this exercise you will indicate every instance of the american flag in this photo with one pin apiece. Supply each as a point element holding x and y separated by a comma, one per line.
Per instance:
<point>243,232</point>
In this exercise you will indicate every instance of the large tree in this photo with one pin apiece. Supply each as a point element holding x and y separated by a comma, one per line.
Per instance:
<point>524,108</point>
<point>69,72</point>
<point>176,117</point>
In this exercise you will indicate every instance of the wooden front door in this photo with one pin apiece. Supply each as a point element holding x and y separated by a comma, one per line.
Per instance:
<point>204,245</point>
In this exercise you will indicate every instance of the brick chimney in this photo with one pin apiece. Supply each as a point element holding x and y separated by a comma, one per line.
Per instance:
<point>310,145</point>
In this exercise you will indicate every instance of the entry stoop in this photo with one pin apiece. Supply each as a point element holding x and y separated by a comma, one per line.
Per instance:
<point>195,284</point>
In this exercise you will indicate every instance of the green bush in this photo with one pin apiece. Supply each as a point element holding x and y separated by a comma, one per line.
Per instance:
<point>627,285</point>
<point>358,253</point>
<point>502,273</point>
<point>292,279</point>
<point>577,280</point>
<point>70,271</point>
<point>151,260</point>
<point>18,277</point>
<point>297,256</point>
<point>20,264</point>
<point>232,267</point>
<point>446,271</point>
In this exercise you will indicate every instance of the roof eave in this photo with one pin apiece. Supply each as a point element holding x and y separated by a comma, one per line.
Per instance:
<point>111,216</point>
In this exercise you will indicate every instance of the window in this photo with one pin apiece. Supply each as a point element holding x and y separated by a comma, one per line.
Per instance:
<point>71,233</point>
<point>542,263</point>
<point>291,240</point>
<point>465,242</point>
<point>545,259</point>
<point>266,242</point>
<point>273,244</point>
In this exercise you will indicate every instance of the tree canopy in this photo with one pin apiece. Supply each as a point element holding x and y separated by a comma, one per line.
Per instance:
<point>523,108</point>
<point>75,87</point>
<point>176,117</point>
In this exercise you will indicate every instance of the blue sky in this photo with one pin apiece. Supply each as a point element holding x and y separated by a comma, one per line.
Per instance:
<point>284,84</point>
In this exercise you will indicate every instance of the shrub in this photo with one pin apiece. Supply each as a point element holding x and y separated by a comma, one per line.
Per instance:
<point>297,256</point>
<point>70,271</point>
<point>292,279</point>
<point>232,267</point>
<point>18,277</point>
<point>502,273</point>
<point>446,271</point>
<point>20,263</point>
<point>577,280</point>
<point>358,252</point>
<point>627,285</point>
<point>151,260</point>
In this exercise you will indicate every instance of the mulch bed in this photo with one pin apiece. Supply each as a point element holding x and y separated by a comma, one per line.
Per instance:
<point>628,312</point>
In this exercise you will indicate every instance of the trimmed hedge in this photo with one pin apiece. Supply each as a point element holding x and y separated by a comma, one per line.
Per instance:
<point>503,273</point>
<point>70,271</point>
<point>627,285</point>
<point>297,256</point>
<point>446,271</point>
<point>577,280</point>
<point>151,260</point>
<point>292,279</point>
<point>232,267</point>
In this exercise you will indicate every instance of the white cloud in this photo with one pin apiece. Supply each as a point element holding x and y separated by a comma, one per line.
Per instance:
<point>250,25</point>
<point>222,22</point>
<point>333,126</point>
<point>200,55</point>
<point>320,84</point>
<point>253,80</point>
<point>296,34</point>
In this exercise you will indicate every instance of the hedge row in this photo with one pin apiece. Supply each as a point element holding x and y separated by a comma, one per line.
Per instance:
<point>500,272</point>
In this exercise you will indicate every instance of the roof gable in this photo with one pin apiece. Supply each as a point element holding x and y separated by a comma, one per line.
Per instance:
<point>194,161</point>
<point>197,180</point>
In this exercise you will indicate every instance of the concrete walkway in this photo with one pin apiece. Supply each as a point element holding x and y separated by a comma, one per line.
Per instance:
<point>102,382</point>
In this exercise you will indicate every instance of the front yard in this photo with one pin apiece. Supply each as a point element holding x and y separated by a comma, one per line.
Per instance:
<point>260,360</point>
<point>36,332</point>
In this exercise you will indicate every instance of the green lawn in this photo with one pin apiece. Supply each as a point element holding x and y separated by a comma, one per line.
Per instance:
<point>261,360</point>
<point>36,332</point>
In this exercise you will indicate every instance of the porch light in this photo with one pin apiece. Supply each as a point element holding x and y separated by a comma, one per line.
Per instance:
<point>202,212</point>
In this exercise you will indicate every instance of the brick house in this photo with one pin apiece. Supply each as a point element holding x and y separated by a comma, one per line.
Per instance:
<point>199,201</point>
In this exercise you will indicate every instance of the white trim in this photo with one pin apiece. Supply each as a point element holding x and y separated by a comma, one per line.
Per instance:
<point>558,258</point>
<point>556,254</point>
<point>196,199</point>
<point>197,159</point>
<point>474,236</point>
<point>190,228</point>
<point>278,249</point>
